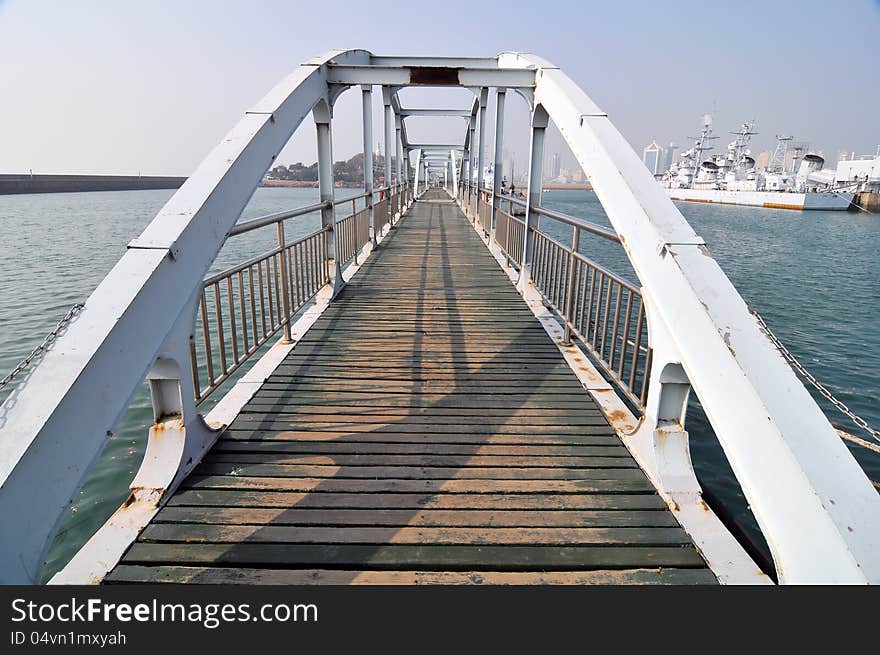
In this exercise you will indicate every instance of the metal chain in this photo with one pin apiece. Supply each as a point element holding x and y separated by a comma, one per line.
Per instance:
<point>36,352</point>
<point>797,366</point>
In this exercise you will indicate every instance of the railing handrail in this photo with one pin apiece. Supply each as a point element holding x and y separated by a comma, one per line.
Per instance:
<point>592,262</point>
<point>216,277</point>
<point>270,219</point>
<point>568,219</point>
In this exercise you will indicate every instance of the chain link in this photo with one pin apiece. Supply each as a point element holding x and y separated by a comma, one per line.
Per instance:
<point>36,352</point>
<point>797,366</point>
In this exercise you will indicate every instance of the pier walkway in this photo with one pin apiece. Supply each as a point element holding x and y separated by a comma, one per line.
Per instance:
<point>425,429</point>
<point>392,408</point>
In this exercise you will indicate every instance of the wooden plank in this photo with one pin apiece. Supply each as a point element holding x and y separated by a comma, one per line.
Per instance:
<point>460,461</point>
<point>397,556</point>
<point>216,465</point>
<point>285,534</point>
<point>233,435</point>
<point>441,500</point>
<point>261,576</point>
<point>334,485</point>
<point>282,421</point>
<point>424,518</point>
<point>258,449</point>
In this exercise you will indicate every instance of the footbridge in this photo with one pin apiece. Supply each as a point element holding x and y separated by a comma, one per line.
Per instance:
<point>433,386</point>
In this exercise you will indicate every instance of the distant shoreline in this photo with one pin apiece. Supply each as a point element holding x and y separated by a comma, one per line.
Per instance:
<point>11,183</point>
<point>14,183</point>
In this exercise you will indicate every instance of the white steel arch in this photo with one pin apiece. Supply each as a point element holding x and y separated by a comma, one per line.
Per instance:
<point>139,317</point>
<point>789,460</point>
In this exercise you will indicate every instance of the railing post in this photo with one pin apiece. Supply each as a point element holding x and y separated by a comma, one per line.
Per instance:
<point>540,119</point>
<point>285,282</point>
<point>499,155</point>
<point>367,98</point>
<point>322,114</point>
<point>569,283</point>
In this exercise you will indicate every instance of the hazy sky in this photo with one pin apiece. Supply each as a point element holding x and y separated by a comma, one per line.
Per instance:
<point>101,86</point>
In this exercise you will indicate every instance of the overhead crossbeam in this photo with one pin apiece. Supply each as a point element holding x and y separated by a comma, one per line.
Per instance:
<point>430,76</point>
<point>436,146</point>
<point>454,62</point>
<point>463,113</point>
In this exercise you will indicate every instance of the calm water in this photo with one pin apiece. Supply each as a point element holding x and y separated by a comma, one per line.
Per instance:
<point>812,275</point>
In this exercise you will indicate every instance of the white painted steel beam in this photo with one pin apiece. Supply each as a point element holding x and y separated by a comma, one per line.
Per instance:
<point>426,76</point>
<point>437,146</point>
<point>437,62</point>
<point>481,145</point>
<point>390,133</point>
<point>322,114</point>
<point>498,169</point>
<point>418,167</point>
<point>533,193</point>
<point>463,113</point>
<point>367,115</point>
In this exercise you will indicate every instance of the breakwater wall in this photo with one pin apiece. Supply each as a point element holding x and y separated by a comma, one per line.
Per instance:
<point>13,183</point>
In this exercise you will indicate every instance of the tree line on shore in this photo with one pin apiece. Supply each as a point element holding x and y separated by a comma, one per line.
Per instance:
<point>347,172</point>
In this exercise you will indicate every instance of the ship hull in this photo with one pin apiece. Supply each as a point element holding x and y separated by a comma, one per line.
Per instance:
<point>768,199</point>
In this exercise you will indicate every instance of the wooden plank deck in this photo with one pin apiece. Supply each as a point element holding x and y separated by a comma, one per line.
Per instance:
<point>425,430</point>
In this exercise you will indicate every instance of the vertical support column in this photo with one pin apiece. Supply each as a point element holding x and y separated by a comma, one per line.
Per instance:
<point>390,133</point>
<point>286,287</point>
<point>367,97</point>
<point>407,174</point>
<point>454,173</point>
<point>400,178</point>
<point>322,114</point>
<point>481,143</point>
<point>569,286</point>
<point>540,120</point>
<point>499,155</point>
<point>418,165</point>
<point>472,126</point>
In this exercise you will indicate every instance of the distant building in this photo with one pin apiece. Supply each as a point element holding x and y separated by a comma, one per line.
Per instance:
<point>555,166</point>
<point>763,160</point>
<point>670,156</point>
<point>652,156</point>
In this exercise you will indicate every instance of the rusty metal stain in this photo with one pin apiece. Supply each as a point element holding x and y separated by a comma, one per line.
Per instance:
<point>726,337</point>
<point>433,75</point>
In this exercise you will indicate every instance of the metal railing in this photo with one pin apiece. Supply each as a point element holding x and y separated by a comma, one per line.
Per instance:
<point>598,307</point>
<point>243,307</point>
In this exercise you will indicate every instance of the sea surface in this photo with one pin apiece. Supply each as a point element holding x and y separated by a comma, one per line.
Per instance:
<point>812,275</point>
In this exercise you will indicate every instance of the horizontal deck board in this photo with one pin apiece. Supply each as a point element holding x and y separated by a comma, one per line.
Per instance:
<point>424,518</point>
<point>258,576</point>
<point>396,556</point>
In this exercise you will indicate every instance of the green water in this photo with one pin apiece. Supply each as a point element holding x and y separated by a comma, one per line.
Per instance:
<point>812,275</point>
